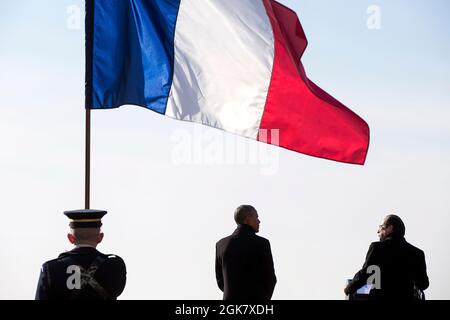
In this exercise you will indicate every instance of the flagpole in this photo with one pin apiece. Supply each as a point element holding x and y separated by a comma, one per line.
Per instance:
<point>87,178</point>
<point>89,22</point>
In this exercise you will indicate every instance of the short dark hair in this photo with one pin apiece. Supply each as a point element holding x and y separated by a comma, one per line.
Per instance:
<point>242,212</point>
<point>397,223</point>
<point>85,234</point>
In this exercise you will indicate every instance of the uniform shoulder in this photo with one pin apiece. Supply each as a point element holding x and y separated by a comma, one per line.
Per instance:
<point>113,259</point>
<point>50,262</point>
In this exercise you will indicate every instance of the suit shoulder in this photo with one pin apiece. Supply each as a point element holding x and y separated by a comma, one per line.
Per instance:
<point>221,241</point>
<point>415,249</point>
<point>263,240</point>
<point>376,244</point>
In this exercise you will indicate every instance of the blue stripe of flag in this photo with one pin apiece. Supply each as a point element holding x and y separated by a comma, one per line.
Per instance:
<point>133,52</point>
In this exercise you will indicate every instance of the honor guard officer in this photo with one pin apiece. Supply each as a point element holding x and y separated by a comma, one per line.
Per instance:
<point>83,273</point>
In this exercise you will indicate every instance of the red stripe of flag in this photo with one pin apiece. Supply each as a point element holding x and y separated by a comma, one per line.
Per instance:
<point>309,120</point>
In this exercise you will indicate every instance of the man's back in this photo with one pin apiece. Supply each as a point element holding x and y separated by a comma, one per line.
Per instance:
<point>244,266</point>
<point>402,267</point>
<point>102,276</point>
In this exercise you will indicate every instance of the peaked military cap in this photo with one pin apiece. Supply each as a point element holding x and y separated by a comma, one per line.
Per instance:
<point>85,218</point>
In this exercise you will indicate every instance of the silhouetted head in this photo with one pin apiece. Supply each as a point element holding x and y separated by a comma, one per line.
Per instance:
<point>85,226</point>
<point>246,214</point>
<point>392,226</point>
<point>85,236</point>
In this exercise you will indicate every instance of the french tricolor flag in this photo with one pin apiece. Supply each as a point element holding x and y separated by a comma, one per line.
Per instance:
<point>229,64</point>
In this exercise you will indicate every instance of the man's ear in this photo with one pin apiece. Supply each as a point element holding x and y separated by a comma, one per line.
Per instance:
<point>390,229</point>
<point>71,238</point>
<point>100,237</point>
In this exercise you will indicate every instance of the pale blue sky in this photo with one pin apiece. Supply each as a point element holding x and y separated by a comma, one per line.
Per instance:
<point>165,216</point>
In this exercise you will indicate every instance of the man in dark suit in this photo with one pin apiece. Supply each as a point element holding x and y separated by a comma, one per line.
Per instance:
<point>83,273</point>
<point>394,268</point>
<point>244,264</point>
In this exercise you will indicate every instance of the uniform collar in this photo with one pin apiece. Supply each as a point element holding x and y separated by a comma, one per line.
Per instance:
<point>84,250</point>
<point>83,246</point>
